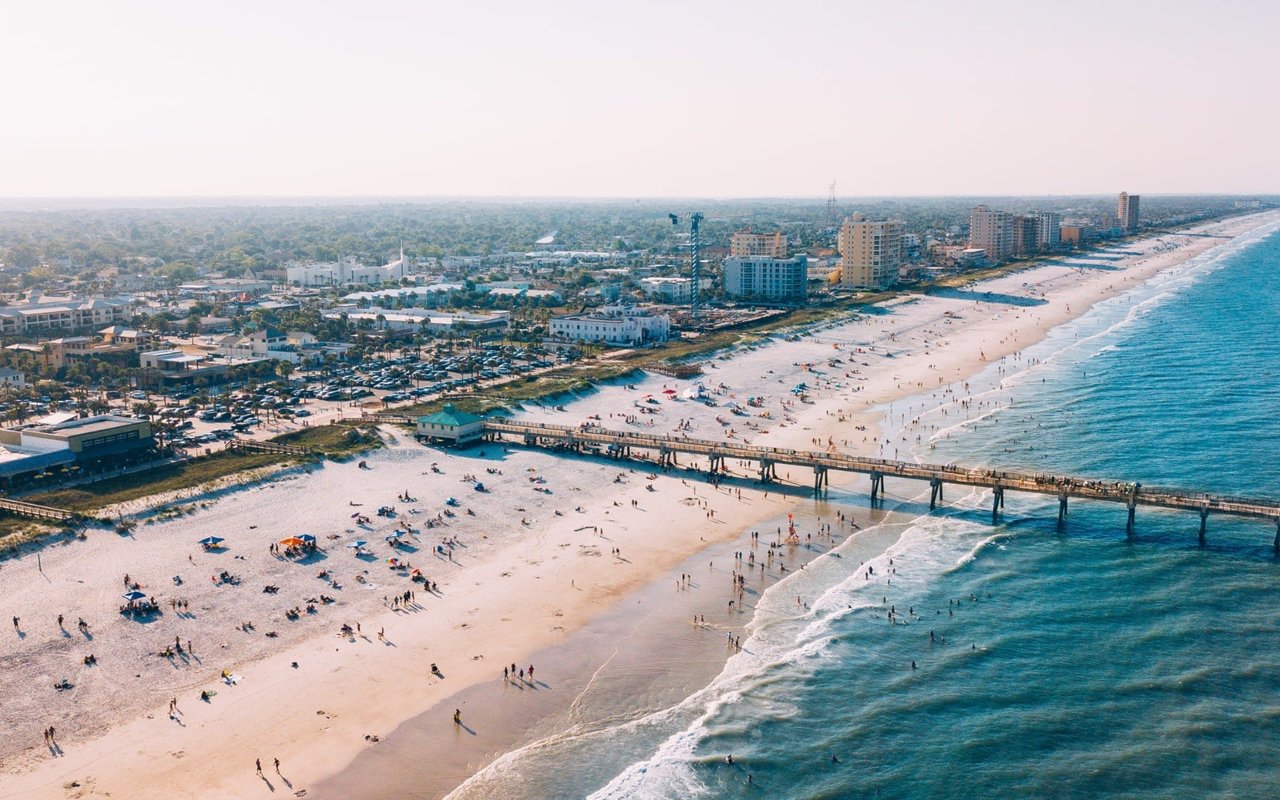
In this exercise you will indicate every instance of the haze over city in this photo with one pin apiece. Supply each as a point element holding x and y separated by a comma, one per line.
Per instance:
<point>637,99</point>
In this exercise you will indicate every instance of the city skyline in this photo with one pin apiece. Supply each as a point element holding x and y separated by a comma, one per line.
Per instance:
<point>652,100</point>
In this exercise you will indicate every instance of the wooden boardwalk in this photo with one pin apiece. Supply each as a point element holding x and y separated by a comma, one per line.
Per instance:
<point>35,510</point>
<point>665,449</point>
<point>268,447</point>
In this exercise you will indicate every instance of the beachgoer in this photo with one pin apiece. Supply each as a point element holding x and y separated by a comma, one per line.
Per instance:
<point>257,765</point>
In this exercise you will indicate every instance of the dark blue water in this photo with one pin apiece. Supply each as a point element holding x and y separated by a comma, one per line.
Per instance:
<point>1074,663</point>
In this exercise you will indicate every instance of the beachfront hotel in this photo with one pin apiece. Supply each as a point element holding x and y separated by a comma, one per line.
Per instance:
<point>870,252</point>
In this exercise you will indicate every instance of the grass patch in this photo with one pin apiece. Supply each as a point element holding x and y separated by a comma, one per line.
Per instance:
<point>166,478</point>
<point>334,441</point>
<point>17,531</point>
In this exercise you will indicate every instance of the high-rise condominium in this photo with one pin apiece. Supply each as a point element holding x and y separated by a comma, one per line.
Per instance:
<point>870,252</point>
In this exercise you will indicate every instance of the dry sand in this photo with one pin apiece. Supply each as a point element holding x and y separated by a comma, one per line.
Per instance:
<point>521,581</point>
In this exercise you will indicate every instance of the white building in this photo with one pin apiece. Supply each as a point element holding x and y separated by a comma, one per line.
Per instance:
<point>672,290</point>
<point>411,320</point>
<point>12,377</point>
<point>48,313</point>
<point>267,343</point>
<point>623,326</point>
<point>779,280</point>
<point>347,273</point>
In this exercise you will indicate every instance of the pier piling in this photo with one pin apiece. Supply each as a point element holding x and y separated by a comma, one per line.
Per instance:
<point>935,492</point>
<point>1204,518</point>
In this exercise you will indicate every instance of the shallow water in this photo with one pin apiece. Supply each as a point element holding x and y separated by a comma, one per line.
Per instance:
<point>1064,664</point>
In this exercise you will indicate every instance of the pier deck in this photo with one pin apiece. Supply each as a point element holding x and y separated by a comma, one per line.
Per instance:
<point>767,459</point>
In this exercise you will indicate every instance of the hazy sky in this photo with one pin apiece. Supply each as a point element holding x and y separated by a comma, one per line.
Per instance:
<point>622,99</point>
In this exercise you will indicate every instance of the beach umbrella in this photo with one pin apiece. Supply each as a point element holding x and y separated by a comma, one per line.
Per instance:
<point>308,538</point>
<point>668,391</point>
<point>358,543</point>
<point>292,541</point>
<point>133,596</point>
<point>210,541</point>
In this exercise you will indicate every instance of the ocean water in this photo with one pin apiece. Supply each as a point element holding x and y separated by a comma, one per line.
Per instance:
<point>1022,660</point>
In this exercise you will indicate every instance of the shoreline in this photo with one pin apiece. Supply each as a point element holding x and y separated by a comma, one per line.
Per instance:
<point>267,708</point>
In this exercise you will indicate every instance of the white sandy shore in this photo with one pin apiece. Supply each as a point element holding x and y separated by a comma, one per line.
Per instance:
<point>512,589</point>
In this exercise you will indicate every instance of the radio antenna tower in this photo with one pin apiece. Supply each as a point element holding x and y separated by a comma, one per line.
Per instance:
<point>833,216</point>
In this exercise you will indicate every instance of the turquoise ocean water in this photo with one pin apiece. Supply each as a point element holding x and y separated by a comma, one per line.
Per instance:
<point>1063,664</point>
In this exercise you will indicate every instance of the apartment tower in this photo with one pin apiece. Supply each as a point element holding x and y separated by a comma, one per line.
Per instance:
<point>993,231</point>
<point>1127,211</point>
<point>870,252</point>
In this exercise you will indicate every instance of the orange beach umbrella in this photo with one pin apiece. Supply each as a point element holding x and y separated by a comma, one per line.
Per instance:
<point>292,541</point>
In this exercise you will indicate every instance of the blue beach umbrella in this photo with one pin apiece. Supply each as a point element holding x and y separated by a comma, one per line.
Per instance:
<point>357,544</point>
<point>133,596</point>
<point>210,541</point>
<point>308,538</point>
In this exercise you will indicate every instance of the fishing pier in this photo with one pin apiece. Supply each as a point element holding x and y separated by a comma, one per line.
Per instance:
<point>665,450</point>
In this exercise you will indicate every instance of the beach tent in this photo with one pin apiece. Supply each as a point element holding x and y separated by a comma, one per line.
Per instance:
<point>308,538</point>
<point>292,541</point>
<point>133,597</point>
<point>211,541</point>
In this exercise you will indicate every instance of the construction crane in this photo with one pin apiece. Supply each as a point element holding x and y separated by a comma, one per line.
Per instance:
<point>695,257</point>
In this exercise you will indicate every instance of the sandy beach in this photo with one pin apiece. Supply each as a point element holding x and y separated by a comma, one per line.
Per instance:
<point>571,564</point>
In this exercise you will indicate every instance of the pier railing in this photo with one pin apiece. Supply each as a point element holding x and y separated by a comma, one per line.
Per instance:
<point>665,448</point>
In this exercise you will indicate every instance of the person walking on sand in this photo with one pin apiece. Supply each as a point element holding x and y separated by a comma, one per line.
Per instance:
<point>457,716</point>
<point>257,765</point>
<point>277,766</point>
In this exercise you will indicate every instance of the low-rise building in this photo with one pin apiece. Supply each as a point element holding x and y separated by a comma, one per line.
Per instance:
<point>66,313</point>
<point>450,426</point>
<point>621,326</point>
<point>37,448</point>
<point>672,289</point>
<point>347,273</point>
<point>762,278</point>
<point>411,320</point>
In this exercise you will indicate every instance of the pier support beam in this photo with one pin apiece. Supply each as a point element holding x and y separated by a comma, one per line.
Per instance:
<point>1204,518</point>
<point>877,486</point>
<point>1062,507</point>
<point>766,471</point>
<point>1132,503</point>
<point>997,502</point>
<point>1277,542</point>
<point>820,480</point>
<point>935,492</point>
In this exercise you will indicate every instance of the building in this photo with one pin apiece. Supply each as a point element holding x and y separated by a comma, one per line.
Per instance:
<point>870,252</point>
<point>993,231</point>
<point>347,273</point>
<point>12,378</point>
<point>775,280</point>
<point>414,320</point>
<point>1127,211</point>
<point>1026,235</point>
<point>266,343</point>
<point>37,448</point>
<point>1074,234</point>
<point>746,244</point>
<point>49,314</point>
<point>1048,234</point>
<point>621,326</point>
<point>450,426</point>
<point>672,289</point>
